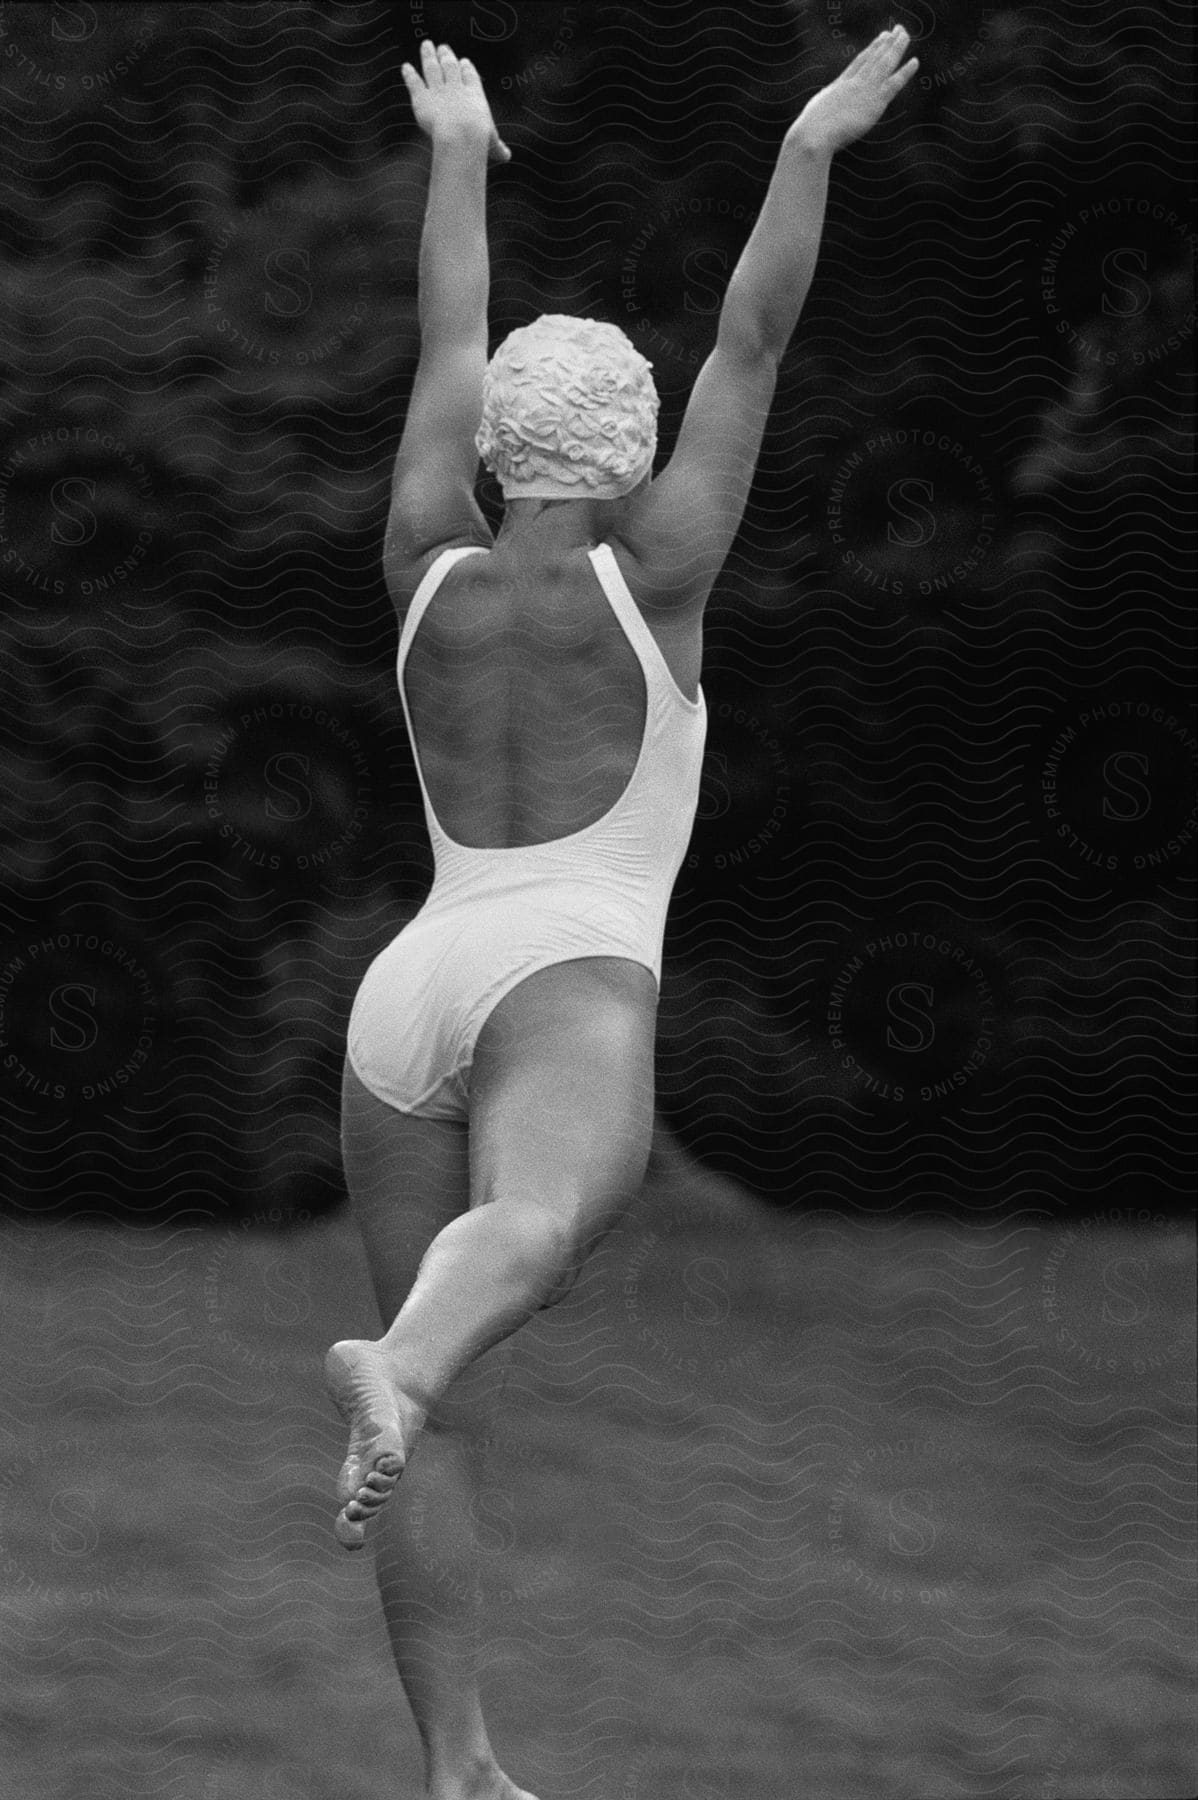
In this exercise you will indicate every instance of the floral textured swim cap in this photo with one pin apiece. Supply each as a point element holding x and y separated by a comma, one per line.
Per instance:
<point>569,411</point>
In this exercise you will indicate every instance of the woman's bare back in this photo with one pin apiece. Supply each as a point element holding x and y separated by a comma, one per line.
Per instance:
<point>527,699</point>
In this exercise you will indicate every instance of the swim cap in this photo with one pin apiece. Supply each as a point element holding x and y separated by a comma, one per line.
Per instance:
<point>569,411</point>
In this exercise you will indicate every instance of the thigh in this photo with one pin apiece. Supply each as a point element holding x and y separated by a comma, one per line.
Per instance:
<point>562,1092</point>
<point>407,1178</point>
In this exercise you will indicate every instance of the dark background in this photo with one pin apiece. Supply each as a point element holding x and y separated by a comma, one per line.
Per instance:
<point>931,945</point>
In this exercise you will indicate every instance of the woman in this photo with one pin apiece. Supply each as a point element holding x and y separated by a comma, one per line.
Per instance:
<point>498,1090</point>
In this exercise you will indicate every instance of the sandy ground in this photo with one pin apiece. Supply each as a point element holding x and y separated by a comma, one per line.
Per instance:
<point>778,1505</point>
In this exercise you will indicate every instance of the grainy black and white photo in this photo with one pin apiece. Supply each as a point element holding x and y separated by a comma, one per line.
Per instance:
<point>598,801</point>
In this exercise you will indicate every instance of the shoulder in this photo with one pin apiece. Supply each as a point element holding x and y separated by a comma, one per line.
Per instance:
<point>651,566</point>
<point>403,575</point>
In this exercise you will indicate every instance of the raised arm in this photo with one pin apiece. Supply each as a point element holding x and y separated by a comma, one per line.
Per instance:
<point>770,282</point>
<point>683,525</point>
<point>432,488</point>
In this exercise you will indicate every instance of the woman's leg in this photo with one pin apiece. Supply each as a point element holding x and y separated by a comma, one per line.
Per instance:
<point>561,1121</point>
<point>408,1177</point>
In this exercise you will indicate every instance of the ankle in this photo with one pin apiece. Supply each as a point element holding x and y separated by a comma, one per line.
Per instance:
<point>475,1777</point>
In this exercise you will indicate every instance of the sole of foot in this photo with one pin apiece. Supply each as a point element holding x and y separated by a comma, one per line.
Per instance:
<point>361,1389</point>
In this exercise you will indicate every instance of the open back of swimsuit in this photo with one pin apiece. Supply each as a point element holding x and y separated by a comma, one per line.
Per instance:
<point>494,916</point>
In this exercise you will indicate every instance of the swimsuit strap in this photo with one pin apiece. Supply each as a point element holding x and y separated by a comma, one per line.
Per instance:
<point>656,668</point>
<point>430,581</point>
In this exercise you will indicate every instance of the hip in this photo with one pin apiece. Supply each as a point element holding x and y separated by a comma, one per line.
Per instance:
<point>467,936</point>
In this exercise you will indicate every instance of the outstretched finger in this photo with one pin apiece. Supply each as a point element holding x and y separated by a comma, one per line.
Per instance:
<point>449,65</point>
<point>865,55</point>
<point>431,64</point>
<point>470,75</point>
<point>868,61</point>
<point>900,78</point>
<point>897,44</point>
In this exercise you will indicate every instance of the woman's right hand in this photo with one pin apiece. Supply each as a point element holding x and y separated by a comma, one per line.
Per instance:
<point>449,102</point>
<point>852,104</point>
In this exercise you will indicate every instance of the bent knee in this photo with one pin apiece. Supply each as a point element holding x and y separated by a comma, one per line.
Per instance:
<point>550,1242</point>
<point>536,1238</point>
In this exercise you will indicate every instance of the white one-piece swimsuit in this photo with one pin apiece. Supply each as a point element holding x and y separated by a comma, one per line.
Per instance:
<point>494,916</point>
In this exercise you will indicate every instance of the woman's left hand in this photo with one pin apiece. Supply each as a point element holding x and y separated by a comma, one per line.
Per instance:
<point>449,102</point>
<point>852,104</point>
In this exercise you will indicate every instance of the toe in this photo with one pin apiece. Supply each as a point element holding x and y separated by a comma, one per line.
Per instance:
<point>349,1532</point>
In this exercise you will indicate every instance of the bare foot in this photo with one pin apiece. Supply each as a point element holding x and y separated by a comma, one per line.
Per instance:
<point>383,1425</point>
<point>483,1780</point>
<point>500,1788</point>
